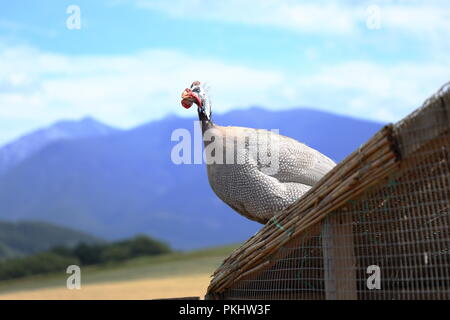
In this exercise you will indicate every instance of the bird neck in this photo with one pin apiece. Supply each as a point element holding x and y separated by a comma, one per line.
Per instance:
<point>206,124</point>
<point>205,121</point>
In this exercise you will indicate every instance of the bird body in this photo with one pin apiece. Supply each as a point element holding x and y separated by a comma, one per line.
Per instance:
<point>257,172</point>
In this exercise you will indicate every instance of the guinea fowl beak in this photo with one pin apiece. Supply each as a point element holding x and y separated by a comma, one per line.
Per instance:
<point>189,97</point>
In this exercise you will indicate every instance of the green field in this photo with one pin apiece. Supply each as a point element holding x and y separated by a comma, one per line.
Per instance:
<point>192,265</point>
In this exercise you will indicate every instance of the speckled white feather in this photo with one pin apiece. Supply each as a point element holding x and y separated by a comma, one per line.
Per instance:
<point>249,189</point>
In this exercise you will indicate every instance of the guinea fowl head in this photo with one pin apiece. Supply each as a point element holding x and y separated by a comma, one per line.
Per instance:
<point>197,94</point>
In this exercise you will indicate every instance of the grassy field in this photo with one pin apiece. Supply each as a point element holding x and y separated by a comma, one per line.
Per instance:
<point>166,276</point>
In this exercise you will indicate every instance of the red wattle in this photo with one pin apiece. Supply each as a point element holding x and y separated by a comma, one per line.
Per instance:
<point>186,103</point>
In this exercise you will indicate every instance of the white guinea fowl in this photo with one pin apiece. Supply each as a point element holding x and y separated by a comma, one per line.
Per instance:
<point>254,187</point>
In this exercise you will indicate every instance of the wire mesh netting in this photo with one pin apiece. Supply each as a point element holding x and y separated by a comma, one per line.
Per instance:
<point>391,242</point>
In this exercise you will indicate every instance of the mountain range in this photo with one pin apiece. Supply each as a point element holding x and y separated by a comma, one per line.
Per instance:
<point>116,183</point>
<point>28,237</point>
<point>21,148</point>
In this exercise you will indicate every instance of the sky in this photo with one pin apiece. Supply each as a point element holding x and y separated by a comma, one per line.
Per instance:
<point>126,62</point>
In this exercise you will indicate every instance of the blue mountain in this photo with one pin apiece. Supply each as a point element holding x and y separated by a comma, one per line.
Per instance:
<point>23,147</point>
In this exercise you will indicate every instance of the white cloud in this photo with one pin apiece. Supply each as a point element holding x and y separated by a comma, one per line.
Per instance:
<point>374,91</point>
<point>38,87</point>
<point>318,17</point>
<point>34,29</point>
<point>123,90</point>
<point>309,17</point>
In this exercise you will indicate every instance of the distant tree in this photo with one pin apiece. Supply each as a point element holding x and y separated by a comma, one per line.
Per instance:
<point>116,253</point>
<point>144,245</point>
<point>89,254</point>
<point>63,251</point>
<point>58,258</point>
<point>140,245</point>
<point>47,262</point>
<point>40,263</point>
